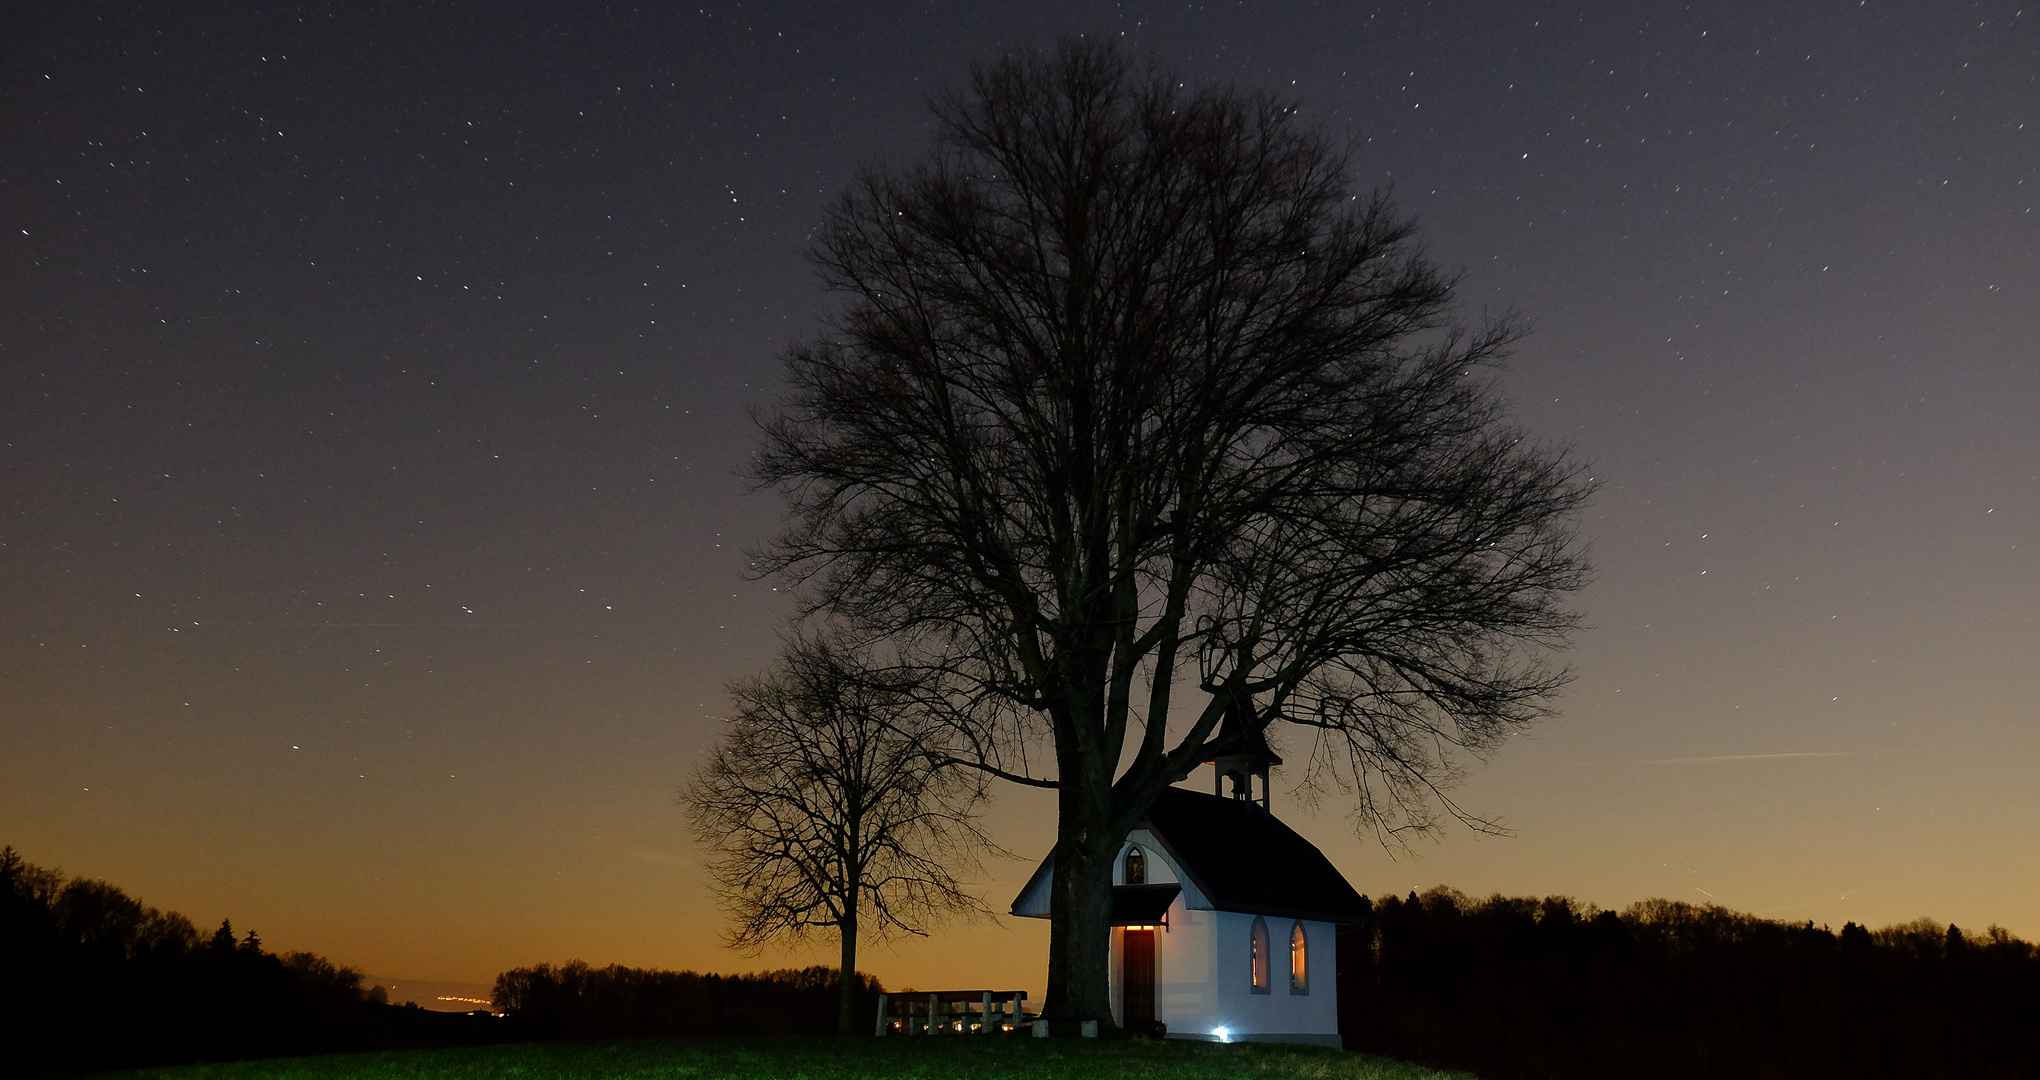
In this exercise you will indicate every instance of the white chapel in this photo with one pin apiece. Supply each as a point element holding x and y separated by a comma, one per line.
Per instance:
<point>1225,921</point>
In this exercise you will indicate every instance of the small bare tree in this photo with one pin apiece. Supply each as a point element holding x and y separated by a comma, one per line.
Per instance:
<point>826,810</point>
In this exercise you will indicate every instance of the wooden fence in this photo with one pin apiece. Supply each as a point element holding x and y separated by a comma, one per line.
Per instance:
<point>953,1012</point>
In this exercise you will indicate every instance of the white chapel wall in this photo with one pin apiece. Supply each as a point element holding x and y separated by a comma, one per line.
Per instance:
<point>1184,969</point>
<point>1242,1012</point>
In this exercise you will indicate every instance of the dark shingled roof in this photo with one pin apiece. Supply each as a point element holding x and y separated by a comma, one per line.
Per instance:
<point>1245,859</point>
<point>1241,857</point>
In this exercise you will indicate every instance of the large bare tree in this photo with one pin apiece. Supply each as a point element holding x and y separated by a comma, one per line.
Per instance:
<point>826,810</point>
<point>1147,433</point>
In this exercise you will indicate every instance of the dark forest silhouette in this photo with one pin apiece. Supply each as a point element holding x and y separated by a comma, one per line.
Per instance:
<point>1515,988</point>
<point>1509,988</point>
<point>575,1001</point>
<point>94,979</point>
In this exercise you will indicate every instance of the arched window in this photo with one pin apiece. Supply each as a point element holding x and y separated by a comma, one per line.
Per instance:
<point>1136,866</point>
<point>1259,948</point>
<point>1299,961</point>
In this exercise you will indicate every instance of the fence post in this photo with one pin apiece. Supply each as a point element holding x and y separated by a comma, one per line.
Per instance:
<point>985,1015</point>
<point>933,1008</point>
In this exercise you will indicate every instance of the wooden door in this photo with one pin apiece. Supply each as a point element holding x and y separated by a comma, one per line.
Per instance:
<point>1137,992</point>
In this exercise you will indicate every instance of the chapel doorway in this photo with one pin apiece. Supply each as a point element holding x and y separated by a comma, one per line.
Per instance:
<point>1137,992</point>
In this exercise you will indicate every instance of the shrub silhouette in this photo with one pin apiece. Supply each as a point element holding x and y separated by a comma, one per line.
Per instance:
<point>575,1001</point>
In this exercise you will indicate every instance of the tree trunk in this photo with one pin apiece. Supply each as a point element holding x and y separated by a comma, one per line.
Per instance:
<point>1079,937</point>
<point>846,996</point>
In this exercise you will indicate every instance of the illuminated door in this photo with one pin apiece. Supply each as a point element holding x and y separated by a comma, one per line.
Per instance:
<point>1137,951</point>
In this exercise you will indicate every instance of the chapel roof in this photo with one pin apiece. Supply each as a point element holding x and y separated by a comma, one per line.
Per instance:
<point>1244,858</point>
<point>1241,858</point>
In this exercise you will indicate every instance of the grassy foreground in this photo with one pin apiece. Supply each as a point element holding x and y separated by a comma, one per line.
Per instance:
<point>938,1058</point>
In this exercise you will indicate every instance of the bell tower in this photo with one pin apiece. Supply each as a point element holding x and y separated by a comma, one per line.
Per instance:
<point>1234,774</point>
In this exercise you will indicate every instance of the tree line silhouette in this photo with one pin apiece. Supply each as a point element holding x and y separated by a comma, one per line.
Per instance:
<point>1509,988</point>
<point>1518,988</point>
<point>575,1001</point>
<point>95,979</point>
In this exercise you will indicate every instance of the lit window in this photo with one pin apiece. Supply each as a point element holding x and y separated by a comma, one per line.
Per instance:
<point>1136,866</point>
<point>1299,961</point>
<point>1259,958</point>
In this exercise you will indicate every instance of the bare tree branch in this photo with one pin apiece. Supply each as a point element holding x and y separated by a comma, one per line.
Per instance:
<point>1140,433</point>
<point>826,810</point>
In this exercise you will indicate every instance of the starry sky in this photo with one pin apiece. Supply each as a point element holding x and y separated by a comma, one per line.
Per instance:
<point>377,381</point>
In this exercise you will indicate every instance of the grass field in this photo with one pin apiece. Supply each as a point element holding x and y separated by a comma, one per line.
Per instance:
<point>818,1059</point>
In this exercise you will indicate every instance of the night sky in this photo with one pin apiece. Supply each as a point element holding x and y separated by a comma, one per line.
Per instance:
<point>377,381</point>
